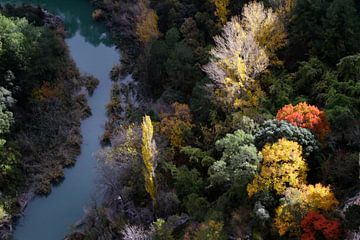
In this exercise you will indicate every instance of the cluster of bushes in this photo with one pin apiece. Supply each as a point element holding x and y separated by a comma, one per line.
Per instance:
<point>255,127</point>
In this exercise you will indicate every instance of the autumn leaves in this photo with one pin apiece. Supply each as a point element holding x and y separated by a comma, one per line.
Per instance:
<point>284,170</point>
<point>244,50</point>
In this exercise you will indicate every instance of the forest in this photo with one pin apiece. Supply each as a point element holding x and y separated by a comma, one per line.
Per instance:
<point>248,126</point>
<point>241,121</point>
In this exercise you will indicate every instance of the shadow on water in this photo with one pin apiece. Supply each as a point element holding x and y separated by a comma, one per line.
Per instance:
<point>50,218</point>
<point>77,16</point>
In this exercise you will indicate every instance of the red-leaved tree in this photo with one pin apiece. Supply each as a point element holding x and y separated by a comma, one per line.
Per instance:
<point>305,116</point>
<point>315,224</point>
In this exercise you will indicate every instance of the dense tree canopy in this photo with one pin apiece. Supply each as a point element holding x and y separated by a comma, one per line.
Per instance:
<point>248,90</point>
<point>282,166</point>
<point>305,116</point>
<point>272,130</point>
<point>297,202</point>
<point>239,161</point>
<point>6,116</point>
<point>256,117</point>
<point>326,29</point>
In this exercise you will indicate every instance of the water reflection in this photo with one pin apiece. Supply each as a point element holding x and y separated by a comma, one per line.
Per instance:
<point>77,16</point>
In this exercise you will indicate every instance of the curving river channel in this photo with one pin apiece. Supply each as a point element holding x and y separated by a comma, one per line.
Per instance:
<point>50,218</point>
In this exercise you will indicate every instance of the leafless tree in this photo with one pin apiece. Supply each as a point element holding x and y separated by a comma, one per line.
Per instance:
<point>134,233</point>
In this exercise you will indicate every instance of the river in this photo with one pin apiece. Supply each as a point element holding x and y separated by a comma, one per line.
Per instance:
<point>50,218</point>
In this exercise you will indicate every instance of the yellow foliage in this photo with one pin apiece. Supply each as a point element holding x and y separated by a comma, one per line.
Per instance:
<point>3,213</point>
<point>175,125</point>
<point>128,148</point>
<point>241,90</point>
<point>242,53</point>
<point>298,202</point>
<point>319,197</point>
<point>147,25</point>
<point>148,153</point>
<point>284,9</point>
<point>282,167</point>
<point>210,230</point>
<point>272,42</point>
<point>221,10</point>
<point>267,27</point>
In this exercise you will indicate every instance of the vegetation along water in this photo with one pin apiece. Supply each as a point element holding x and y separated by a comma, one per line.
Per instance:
<point>223,119</point>
<point>50,217</point>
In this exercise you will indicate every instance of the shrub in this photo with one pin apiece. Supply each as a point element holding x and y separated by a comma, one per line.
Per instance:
<point>97,14</point>
<point>272,130</point>
<point>210,230</point>
<point>187,181</point>
<point>177,124</point>
<point>196,206</point>
<point>91,83</point>
<point>161,231</point>
<point>167,203</point>
<point>3,213</point>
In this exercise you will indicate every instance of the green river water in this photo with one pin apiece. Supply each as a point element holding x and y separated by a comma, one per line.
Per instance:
<point>51,217</point>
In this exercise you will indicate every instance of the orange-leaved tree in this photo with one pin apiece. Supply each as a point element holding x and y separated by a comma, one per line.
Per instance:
<point>305,116</point>
<point>176,124</point>
<point>283,166</point>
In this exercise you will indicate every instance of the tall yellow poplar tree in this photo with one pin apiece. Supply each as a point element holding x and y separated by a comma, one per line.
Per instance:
<point>148,151</point>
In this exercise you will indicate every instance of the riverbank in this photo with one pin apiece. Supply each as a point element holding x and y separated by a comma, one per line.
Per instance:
<point>121,22</point>
<point>133,27</point>
<point>46,129</point>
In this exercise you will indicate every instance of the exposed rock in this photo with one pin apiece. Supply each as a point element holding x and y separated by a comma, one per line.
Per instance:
<point>176,222</point>
<point>355,200</point>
